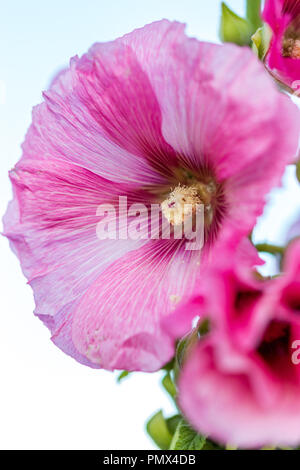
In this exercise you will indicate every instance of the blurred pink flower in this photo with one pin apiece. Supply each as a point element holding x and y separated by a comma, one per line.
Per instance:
<point>283,56</point>
<point>137,117</point>
<point>241,383</point>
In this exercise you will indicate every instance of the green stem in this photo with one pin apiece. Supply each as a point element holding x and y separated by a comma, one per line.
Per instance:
<point>298,170</point>
<point>254,13</point>
<point>272,249</point>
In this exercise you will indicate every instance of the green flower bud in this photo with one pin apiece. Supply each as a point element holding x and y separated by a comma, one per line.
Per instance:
<point>261,41</point>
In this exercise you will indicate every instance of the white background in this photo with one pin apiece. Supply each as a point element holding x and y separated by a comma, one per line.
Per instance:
<point>47,400</point>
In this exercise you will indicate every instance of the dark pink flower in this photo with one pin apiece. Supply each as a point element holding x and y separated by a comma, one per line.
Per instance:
<point>140,116</point>
<point>241,384</point>
<point>283,56</point>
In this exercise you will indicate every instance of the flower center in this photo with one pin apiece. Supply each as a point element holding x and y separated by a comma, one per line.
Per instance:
<point>181,202</point>
<point>184,200</point>
<point>291,48</point>
<point>291,41</point>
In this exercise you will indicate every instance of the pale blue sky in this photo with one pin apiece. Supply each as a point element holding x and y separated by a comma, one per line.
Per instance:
<point>47,400</point>
<point>37,38</point>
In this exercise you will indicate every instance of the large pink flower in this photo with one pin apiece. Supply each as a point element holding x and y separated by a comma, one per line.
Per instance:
<point>241,384</point>
<point>283,56</point>
<point>140,116</point>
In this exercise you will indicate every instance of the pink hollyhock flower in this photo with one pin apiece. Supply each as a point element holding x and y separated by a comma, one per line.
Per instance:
<point>140,116</point>
<point>241,383</point>
<point>283,56</point>
<point>232,265</point>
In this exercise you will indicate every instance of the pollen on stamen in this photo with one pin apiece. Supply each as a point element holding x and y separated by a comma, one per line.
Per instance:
<point>291,48</point>
<point>181,202</point>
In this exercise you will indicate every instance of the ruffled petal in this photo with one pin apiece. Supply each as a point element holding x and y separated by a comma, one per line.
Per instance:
<point>272,12</point>
<point>102,114</point>
<point>52,226</point>
<point>209,118</point>
<point>222,405</point>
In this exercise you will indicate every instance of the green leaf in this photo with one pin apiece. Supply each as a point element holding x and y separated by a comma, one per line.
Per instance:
<point>158,430</point>
<point>204,327</point>
<point>298,171</point>
<point>182,350</point>
<point>169,366</point>
<point>122,376</point>
<point>210,445</point>
<point>179,356</point>
<point>168,385</point>
<point>235,29</point>
<point>185,438</point>
<point>173,422</point>
<point>254,13</point>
